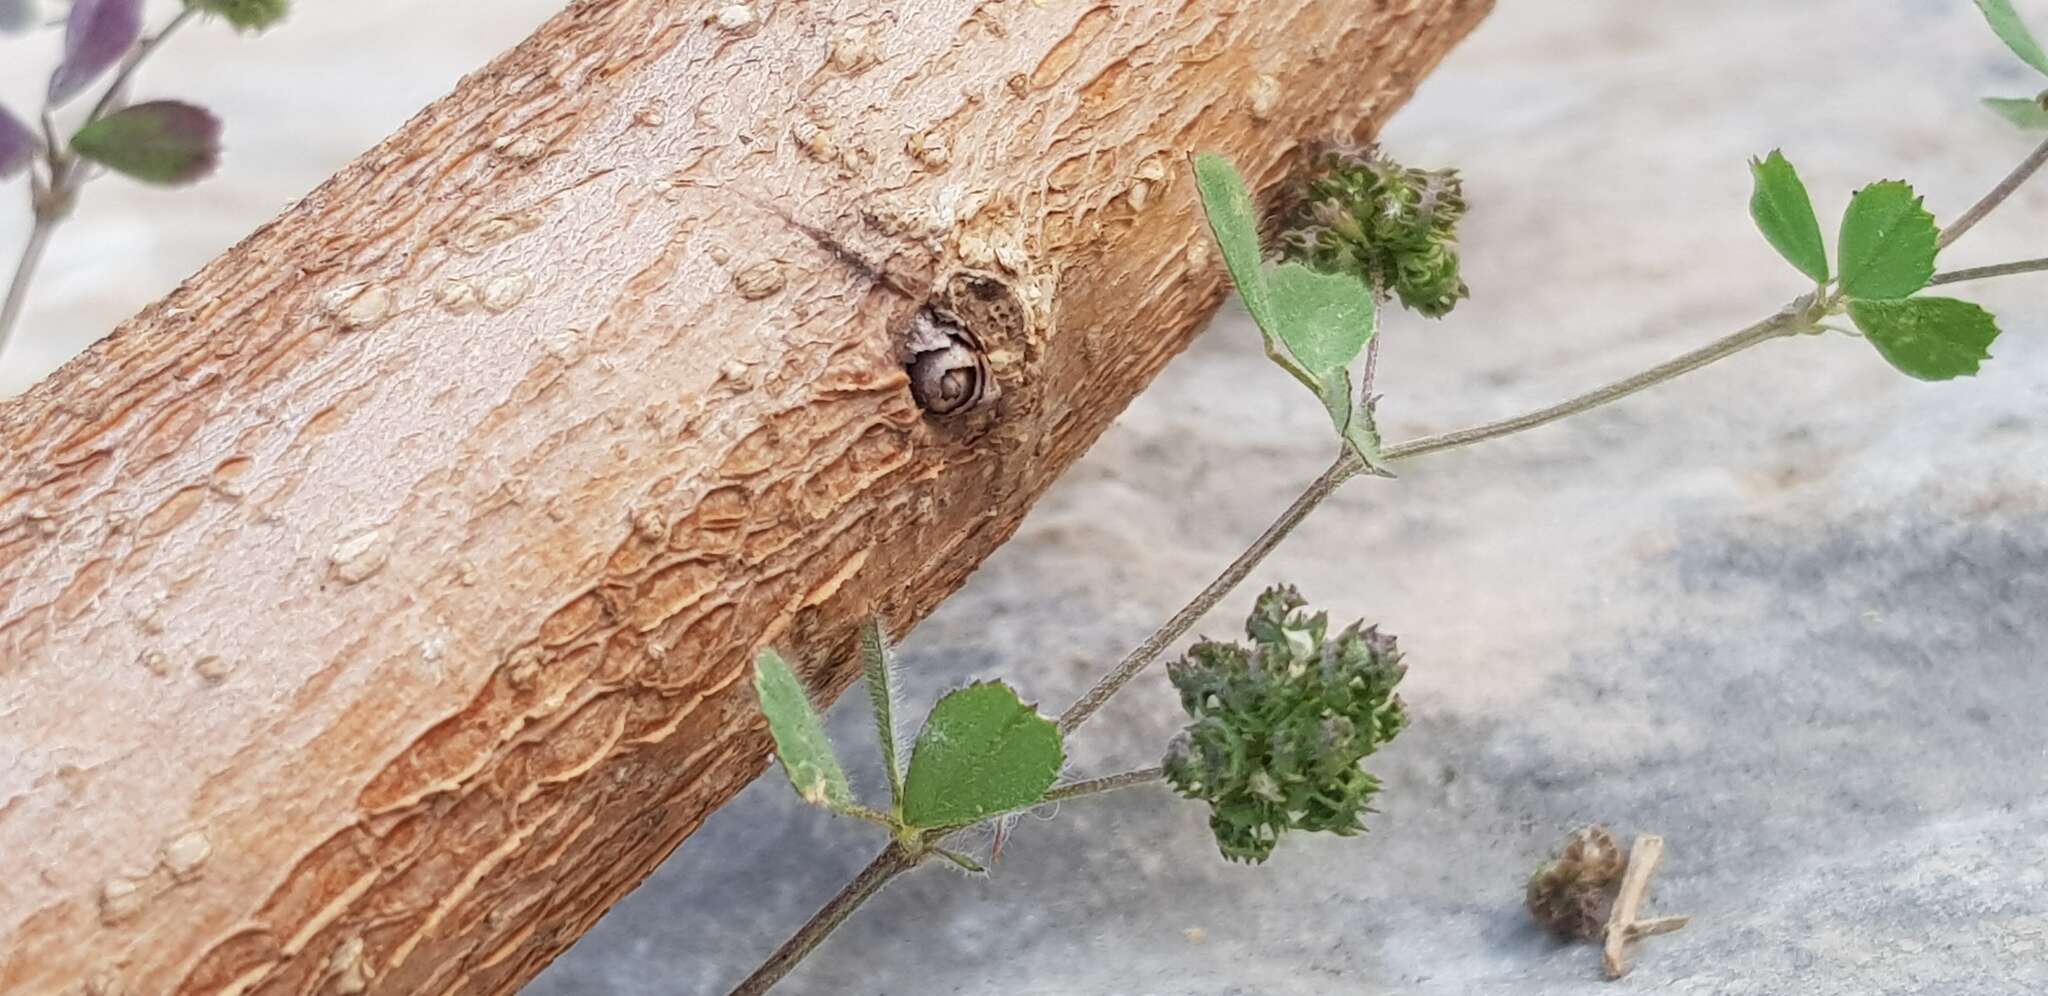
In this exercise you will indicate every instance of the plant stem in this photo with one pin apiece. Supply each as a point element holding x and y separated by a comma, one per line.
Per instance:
<point>143,50</point>
<point>53,205</point>
<point>893,861</point>
<point>1784,323</point>
<point>24,272</point>
<point>1986,272</point>
<point>1346,466</point>
<point>1997,196</point>
<point>1107,783</point>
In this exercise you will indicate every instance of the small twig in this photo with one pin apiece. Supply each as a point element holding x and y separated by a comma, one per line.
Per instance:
<point>1656,925</point>
<point>1997,196</point>
<point>1986,272</point>
<point>1643,857</point>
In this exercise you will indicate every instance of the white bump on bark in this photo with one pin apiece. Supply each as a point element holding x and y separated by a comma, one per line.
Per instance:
<point>504,291</point>
<point>457,296</point>
<point>120,899</point>
<point>759,280</point>
<point>359,556</point>
<point>185,855</point>
<point>1265,96</point>
<point>212,668</point>
<point>734,17</point>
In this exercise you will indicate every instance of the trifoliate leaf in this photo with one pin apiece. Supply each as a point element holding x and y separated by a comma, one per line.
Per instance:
<point>245,15</point>
<point>982,752</point>
<point>1887,243</point>
<point>17,144</point>
<point>2013,31</point>
<point>163,141</point>
<point>1785,215</point>
<point>1314,323</point>
<point>1931,338</point>
<point>96,35</point>
<point>2024,113</point>
<point>800,741</point>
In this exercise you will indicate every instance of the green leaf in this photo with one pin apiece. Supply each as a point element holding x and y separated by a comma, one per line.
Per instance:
<point>982,752</point>
<point>245,15</point>
<point>878,665</point>
<point>2024,113</point>
<point>163,141</point>
<point>1784,214</point>
<point>1931,338</point>
<point>1322,320</point>
<point>1315,324</point>
<point>2006,22</point>
<point>1228,204</point>
<point>800,740</point>
<point>1887,243</point>
<point>1325,319</point>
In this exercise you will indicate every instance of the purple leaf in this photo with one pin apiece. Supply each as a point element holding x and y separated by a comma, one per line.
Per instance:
<point>165,142</point>
<point>96,35</point>
<point>17,145</point>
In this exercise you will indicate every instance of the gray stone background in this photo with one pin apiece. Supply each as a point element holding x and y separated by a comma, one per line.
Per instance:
<point>1787,612</point>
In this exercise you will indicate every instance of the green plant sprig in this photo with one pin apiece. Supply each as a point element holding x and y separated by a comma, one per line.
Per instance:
<point>1268,712</point>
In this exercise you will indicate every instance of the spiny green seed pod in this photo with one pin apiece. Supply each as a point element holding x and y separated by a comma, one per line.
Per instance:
<point>245,15</point>
<point>1394,227</point>
<point>1279,728</point>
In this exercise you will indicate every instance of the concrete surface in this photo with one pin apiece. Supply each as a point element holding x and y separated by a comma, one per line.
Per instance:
<point>1788,612</point>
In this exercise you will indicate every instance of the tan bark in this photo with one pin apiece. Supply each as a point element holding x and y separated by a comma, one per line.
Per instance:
<point>374,609</point>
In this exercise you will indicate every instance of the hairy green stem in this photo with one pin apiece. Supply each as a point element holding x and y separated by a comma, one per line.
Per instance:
<point>1997,196</point>
<point>1987,272</point>
<point>1784,323</point>
<point>1107,783</point>
<point>50,206</point>
<point>893,861</point>
<point>1346,466</point>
